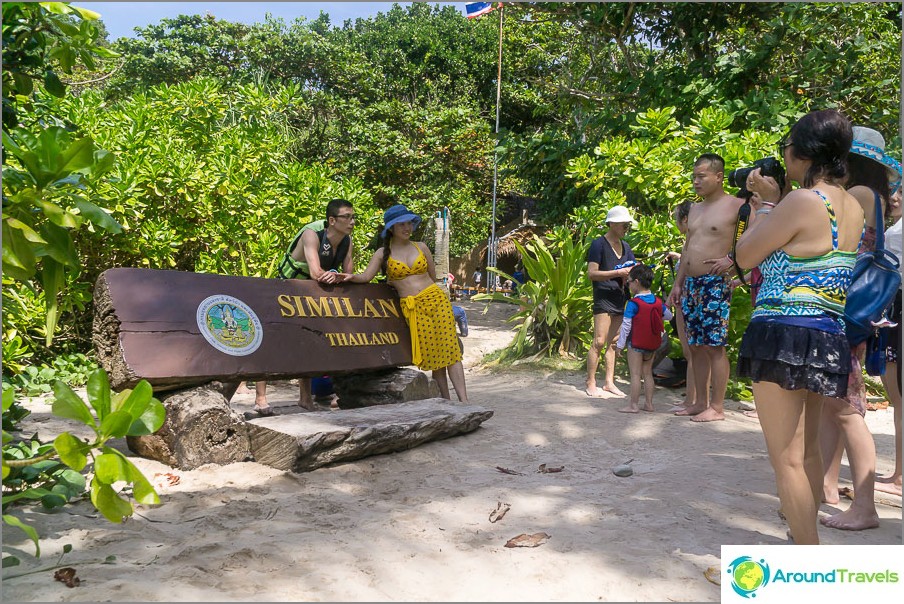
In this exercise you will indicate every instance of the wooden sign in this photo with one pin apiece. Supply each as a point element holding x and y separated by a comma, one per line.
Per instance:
<point>177,329</point>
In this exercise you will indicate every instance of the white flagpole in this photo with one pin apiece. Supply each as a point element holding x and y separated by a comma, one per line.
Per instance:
<point>492,278</point>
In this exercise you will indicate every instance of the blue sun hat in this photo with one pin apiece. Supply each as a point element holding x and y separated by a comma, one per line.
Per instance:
<point>396,214</point>
<point>870,144</point>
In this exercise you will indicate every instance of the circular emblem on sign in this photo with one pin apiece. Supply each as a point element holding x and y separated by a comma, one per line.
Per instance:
<point>229,325</point>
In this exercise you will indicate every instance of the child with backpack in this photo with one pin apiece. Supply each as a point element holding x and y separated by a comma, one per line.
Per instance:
<point>641,332</point>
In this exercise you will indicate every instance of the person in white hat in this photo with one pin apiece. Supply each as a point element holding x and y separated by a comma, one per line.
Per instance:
<point>609,260</point>
<point>843,425</point>
<point>703,286</point>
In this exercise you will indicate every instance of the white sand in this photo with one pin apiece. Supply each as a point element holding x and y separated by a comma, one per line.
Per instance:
<point>414,526</point>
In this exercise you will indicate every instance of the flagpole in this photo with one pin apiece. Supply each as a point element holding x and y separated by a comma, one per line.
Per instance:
<point>492,278</point>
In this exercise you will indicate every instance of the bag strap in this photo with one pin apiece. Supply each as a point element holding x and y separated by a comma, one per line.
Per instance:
<point>880,232</point>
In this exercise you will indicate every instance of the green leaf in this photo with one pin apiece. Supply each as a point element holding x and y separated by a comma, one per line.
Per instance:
<point>59,245</point>
<point>10,561</point>
<point>67,404</point>
<point>98,216</point>
<point>115,424</point>
<point>53,84</point>
<point>150,420</point>
<point>58,215</point>
<point>109,503</point>
<point>134,401</point>
<point>98,389</point>
<point>110,468</point>
<point>27,232</point>
<point>29,530</point>
<point>53,278</point>
<point>72,451</point>
<point>87,15</point>
<point>142,490</point>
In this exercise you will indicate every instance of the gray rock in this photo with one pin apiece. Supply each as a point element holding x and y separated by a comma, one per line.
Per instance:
<point>383,387</point>
<point>305,441</point>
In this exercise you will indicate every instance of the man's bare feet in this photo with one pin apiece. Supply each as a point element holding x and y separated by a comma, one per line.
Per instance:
<point>629,410</point>
<point>243,389</point>
<point>851,519</point>
<point>889,484</point>
<point>710,415</point>
<point>595,392</point>
<point>613,389</point>
<point>650,409</point>
<point>680,407</point>
<point>694,410</point>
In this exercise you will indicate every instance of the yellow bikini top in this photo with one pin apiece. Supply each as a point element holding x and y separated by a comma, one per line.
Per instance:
<point>397,270</point>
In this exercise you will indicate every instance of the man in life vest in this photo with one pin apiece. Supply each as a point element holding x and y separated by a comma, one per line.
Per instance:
<point>322,250</point>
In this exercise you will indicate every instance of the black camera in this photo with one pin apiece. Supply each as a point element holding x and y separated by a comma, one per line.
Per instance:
<point>769,166</point>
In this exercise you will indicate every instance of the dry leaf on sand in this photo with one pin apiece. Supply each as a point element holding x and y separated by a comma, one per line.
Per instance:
<point>713,575</point>
<point>544,469</point>
<point>67,575</point>
<point>525,540</point>
<point>500,511</point>
<point>507,471</point>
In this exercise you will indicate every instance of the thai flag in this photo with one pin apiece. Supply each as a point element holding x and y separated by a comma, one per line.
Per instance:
<point>475,9</point>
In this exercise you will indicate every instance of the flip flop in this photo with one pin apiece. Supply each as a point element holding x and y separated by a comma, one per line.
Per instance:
<point>259,412</point>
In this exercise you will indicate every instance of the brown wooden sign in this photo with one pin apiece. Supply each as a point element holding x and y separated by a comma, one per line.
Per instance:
<point>177,329</point>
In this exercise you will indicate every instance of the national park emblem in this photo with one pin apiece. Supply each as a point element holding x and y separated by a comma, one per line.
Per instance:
<point>229,325</point>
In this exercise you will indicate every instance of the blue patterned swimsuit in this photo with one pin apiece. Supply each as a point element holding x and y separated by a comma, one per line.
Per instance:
<point>796,333</point>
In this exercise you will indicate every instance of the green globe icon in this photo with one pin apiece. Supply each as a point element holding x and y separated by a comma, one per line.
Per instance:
<point>748,575</point>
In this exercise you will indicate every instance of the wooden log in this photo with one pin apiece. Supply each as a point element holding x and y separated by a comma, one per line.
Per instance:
<point>200,428</point>
<point>301,442</point>
<point>179,329</point>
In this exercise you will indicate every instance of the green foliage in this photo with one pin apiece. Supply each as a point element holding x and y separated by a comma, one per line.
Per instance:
<point>44,164</point>
<point>555,316</point>
<point>53,473</point>
<point>40,41</point>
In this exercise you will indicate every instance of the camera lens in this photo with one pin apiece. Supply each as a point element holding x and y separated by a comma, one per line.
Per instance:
<point>738,178</point>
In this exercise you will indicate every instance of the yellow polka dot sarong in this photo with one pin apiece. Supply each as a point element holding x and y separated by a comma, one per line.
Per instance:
<point>434,343</point>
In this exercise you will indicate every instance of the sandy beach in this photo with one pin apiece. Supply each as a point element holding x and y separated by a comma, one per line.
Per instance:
<point>419,525</point>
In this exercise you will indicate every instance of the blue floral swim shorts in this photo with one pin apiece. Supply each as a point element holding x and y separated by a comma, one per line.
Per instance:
<point>706,302</point>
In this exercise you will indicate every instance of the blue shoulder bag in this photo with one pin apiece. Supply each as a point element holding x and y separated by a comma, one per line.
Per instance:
<point>875,282</point>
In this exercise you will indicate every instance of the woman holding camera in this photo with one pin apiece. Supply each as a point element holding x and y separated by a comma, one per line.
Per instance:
<point>795,350</point>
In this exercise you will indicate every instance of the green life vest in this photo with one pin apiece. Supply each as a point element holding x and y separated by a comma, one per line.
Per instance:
<point>330,259</point>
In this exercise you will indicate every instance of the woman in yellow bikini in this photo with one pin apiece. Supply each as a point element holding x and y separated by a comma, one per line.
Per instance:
<point>409,268</point>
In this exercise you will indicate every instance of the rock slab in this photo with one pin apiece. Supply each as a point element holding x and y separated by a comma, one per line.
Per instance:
<point>383,387</point>
<point>301,442</point>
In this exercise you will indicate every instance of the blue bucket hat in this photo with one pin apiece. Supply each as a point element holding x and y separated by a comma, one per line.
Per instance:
<point>395,215</point>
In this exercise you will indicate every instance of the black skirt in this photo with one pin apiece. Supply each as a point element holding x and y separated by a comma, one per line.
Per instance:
<point>795,357</point>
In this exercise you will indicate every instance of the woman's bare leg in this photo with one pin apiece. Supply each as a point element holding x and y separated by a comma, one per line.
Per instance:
<point>792,443</point>
<point>457,375</point>
<point>615,322</point>
<point>832,445</point>
<point>861,451</point>
<point>440,376</point>
<point>892,483</point>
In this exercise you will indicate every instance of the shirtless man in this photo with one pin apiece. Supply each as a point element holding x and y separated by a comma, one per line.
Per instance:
<point>702,281</point>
